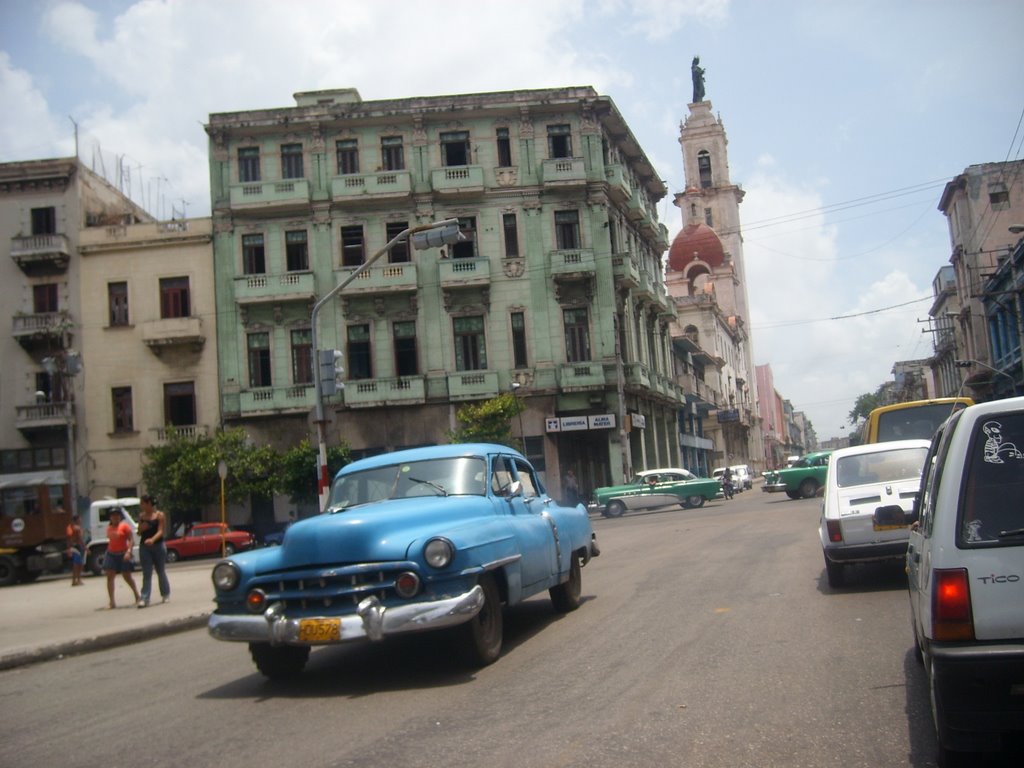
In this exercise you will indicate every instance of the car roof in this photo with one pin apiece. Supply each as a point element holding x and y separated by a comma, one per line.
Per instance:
<point>891,445</point>
<point>429,452</point>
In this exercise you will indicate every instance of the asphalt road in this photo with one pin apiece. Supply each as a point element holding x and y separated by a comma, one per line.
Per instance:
<point>707,638</point>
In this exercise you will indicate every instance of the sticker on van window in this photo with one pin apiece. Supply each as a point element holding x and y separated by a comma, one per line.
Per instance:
<point>995,448</point>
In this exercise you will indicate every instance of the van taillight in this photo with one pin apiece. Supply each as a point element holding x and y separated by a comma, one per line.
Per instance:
<point>951,605</point>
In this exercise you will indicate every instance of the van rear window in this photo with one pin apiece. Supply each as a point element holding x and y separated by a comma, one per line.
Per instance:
<point>992,511</point>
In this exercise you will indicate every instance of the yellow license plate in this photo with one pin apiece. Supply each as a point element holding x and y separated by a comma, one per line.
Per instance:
<point>319,630</point>
<point>878,527</point>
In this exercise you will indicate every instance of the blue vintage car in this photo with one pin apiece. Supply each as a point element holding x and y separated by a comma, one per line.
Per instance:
<point>422,539</point>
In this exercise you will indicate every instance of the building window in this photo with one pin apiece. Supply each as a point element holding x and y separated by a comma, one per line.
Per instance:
<point>44,221</point>
<point>511,231</point>
<point>360,364</point>
<point>704,168</point>
<point>999,196</point>
<point>117,301</point>
<point>504,148</point>
<point>392,155</point>
<point>248,164</point>
<point>352,247</point>
<point>559,141</point>
<point>174,297</point>
<point>577,335</point>
<point>348,156</point>
<point>253,256</point>
<point>180,404</point>
<point>613,235</point>
<point>302,356</point>
<point>466,249</point>
<point>518,340</point>
<point>121,400</point>
<point>399,253</point>
<point>296,250</point>
<point>291,161</point>
<point>470,344</point>
<point>567,230</point>
<point>45,298</point>
<point>406,362</point>
<point>258,346</point>
<point>708,218</point>
<point>455,148</point>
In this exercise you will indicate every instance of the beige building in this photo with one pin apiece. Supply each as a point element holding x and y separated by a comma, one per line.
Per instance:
<point>148,338</point>
<point>44,207</point>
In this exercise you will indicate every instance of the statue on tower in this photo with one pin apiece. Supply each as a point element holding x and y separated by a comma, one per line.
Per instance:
<point>698,80</point>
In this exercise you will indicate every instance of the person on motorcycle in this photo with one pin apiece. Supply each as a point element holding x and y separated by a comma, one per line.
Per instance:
<point>727,483</point>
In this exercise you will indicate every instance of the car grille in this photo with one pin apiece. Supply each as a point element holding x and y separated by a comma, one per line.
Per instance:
<point>338,589</point>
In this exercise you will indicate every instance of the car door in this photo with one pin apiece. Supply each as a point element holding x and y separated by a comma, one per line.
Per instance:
<point>534,530</point>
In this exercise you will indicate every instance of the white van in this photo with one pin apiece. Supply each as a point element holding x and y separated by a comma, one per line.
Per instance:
<point>965,565</point>
<point>94,528</point>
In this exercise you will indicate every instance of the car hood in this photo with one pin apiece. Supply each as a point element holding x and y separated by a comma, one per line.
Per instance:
<point>378,532</point>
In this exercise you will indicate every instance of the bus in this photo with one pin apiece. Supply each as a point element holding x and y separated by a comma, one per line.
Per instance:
<point>917,419</point>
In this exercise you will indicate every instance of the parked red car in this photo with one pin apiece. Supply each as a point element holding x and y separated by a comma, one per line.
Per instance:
<point>204,540</point>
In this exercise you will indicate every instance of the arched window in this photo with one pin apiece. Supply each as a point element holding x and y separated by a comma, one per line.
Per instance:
<point>704,168</point>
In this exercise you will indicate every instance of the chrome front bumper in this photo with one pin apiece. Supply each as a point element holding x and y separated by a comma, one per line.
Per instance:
<point>371,621</point>
<point>773,487</point>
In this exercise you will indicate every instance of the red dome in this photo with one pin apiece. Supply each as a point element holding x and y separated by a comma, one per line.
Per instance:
<point>696,242</point>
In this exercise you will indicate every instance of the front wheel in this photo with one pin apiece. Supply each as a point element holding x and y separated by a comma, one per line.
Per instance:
<point>278,662</point>
<point>480,638</point>
<point>694,502</point>
<point>808,488</point>
<point>793,494</point>
<point>615,508</point>
<point>229,549</point>
<point>566,596</point>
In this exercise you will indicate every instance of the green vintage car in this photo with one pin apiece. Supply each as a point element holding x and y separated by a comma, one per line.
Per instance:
<point>656,488</point>
<point>801,480</point>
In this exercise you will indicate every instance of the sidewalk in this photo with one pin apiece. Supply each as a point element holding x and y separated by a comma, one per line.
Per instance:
<point>50,618</point>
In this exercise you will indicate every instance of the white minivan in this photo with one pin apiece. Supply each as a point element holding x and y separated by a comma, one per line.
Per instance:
<point>94,526</point>
<point>868,505</point>
<point>965,565</point>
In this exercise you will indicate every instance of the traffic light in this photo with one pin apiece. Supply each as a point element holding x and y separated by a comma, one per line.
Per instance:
<point>331,371</point>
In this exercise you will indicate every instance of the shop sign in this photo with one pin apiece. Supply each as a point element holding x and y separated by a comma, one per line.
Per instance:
<point>579,423</point>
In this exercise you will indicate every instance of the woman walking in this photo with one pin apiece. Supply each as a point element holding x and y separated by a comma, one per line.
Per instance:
<point>152,550</point>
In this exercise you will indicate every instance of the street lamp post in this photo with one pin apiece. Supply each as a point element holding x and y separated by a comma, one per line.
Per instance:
<point>431,235</point>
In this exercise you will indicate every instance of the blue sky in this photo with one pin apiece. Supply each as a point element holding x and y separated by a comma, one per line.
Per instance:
<point>845,119</point>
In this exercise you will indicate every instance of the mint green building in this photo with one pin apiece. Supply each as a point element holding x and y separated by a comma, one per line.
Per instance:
<point>557,292</point>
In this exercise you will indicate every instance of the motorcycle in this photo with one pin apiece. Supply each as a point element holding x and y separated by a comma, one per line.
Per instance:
<point>727,489</point>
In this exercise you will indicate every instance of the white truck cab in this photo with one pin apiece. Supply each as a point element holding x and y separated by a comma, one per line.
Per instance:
<point>965,564</point>
<point>94,527</point>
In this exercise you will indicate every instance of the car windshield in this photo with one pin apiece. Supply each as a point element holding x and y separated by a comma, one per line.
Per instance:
<point>918,423</point>
<point>993,505</point>
<point>880,467</point>
<point>456,476</point>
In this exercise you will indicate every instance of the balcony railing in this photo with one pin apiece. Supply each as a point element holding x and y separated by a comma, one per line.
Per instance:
<point>385,279</point>
<point>464,272</point>
<point>44,415</point>
<point>291,286</point>
<point>563,172</point>
<point>581,375</point>
<point>637,376</point>
<point>41,254</point>
<point>472,385</point>
<point>619,187</point>
<point>288,193</point>
<point>405,390</point>
<point>571,261</point>
<point>382,184</point>
<point>185,431</point>
<point>42,329</point>
<point>171,331</point>
<point>456,179</point>
<point>267,400</point>
<point>626,268</point>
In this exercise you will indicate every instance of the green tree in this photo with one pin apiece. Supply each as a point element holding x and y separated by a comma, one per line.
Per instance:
<point>182,472</point>
<point>489,421</point>
<point>297,468</point>
<point>865,404</point>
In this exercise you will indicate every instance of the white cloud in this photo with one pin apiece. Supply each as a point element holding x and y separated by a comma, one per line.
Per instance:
<point>28,130</point>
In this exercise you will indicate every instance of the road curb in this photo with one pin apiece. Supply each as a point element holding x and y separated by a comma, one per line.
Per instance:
<point>101,642</point>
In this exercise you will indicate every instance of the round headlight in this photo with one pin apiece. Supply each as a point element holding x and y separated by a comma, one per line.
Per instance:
<point>225,576</point>
<point>438,553</point>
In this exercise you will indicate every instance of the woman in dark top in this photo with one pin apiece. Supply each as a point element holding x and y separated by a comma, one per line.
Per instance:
<point>152,550</point>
